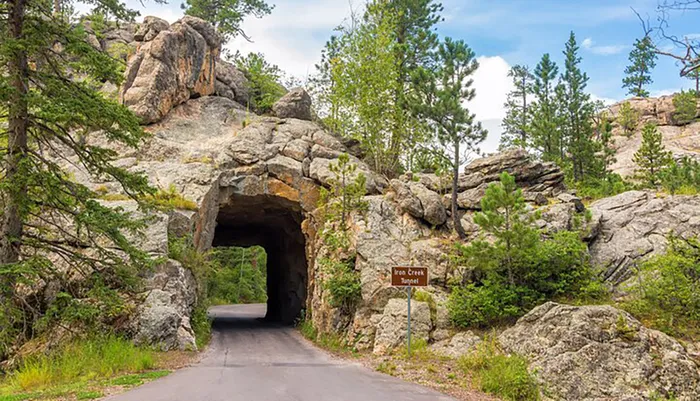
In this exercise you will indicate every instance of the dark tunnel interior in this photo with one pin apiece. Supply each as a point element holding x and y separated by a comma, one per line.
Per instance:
<point>275,224</point>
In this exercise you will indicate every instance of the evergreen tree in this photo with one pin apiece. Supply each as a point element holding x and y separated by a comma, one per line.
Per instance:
<point>47,113</point>
<point>264,78</point>
<point>602,135</point>
<point>643,60</point>
<point>445,89</point>
<point>695,76</point>
<point>227,15</point>
<point>628,118</point>
<point>516,124</point>
<point>577,115</point>
<point>544,118</point>
<point>652,157</point>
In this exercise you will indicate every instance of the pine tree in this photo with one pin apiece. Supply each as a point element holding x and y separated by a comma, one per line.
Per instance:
<point>227,15</point>
<point>628,118</point>
<point>577,115</point>
<point>695,76</point>
<point>47,113</point>
<point>445,90</point>
<point>652,157</point>
<point>643,60</point>
<point>544,119</point>
<point>516,124</point>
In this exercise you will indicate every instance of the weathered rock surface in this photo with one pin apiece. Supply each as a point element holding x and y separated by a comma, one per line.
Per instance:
<point>460,344</point>
<point>635,224</point>
<point>231,83</point>
<point>295,104</point>
<point>164,317</point>
<point>599,352</point>
<point>391,328</point>
<point>171,65</point>
<point>680,140</point>
<point>420,202</point>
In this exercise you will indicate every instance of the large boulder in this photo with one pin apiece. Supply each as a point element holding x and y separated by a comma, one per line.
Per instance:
<point>232,83</point>
<point>460,344</point>
<point>172,64</point>
<point>295,104</point>
<point>635,224</point>
<point>164,317</point>
<point>391,329</point>
<point>418,201</point>
<point>592,353</point>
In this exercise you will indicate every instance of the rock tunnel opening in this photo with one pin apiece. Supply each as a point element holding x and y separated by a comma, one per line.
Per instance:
<point>273,223</point>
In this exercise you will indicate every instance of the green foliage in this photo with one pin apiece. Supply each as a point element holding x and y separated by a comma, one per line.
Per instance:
<point>516,124</point>
<point>652,157</point>
<point>308,330</point>
<point>344,197</point>
<point>170,198</point>
<point>544,134</point>
<point>264,78</point>
<point>518,270</point>
<point>49,113</point>
<point>682,177</point>
<point>500,374</point>
<point>97,358</point>
<point>685,104</point>
<point>668,289</point>
<point>442,94</point>
<point>638,73</point>
<point>628,118</point>
<point>227,15</point>
<point>239,276</point>
<point>365,82</point>
<point>598,188</point>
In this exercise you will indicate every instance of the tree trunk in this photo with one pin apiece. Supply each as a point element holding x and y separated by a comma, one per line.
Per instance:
<point>11,223</point>
<point>455,180</point>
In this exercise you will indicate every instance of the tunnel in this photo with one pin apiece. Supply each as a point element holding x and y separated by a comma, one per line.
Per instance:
<point>275,224</point>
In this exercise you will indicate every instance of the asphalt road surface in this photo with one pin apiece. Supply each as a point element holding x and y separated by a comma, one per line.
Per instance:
<point>251,360</point>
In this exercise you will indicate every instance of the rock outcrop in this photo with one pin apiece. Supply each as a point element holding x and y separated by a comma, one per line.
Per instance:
<point>232,83</point>
<point>592,353</point>
<point>172,64</point>
<point>295,104</point>
<point>391,327</point>
<point>636,224</point>
<point>682,140</point>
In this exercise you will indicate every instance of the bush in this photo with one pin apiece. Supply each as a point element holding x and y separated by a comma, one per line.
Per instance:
<point>518,270</point>
<point>668,289</point>
<point>686,105</point>
<point>343,283</point>
<point>265,89</point>
<point>682,177</point>
<point>598,188</point>
<point>171,198</point>
<point>628,118</point>
<point>503,375</point>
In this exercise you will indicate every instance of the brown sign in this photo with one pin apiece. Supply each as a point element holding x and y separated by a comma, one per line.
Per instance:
<point>404,276</point>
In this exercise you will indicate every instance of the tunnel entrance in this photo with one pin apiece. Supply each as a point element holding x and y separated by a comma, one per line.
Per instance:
<point>273,223</point>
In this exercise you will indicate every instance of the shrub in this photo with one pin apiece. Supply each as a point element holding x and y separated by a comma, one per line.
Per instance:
<point>596,188</point>
<point>171,198</point>
<point>264,78</point>
<point>503,375</point>
<point>343,283</point>
<point>518,270</point>
<point>628,118</point>
<point>681,177</point>
<point>686,105</point>
<point>668,289</point>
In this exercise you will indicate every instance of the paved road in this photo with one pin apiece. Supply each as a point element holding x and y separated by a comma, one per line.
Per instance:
<point>250,360</point>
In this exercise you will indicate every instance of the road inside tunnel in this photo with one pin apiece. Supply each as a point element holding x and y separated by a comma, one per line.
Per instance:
<point>275,224</point>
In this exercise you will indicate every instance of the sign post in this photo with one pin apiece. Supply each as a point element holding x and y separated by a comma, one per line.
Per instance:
<point>409,277</point>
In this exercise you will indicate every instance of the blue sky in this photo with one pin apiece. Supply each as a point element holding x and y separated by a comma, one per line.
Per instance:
<point>502,33</point>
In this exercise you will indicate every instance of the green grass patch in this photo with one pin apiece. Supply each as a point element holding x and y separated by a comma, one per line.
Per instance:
<point>78,362</point>
<point>139,379</point>
<point>308,330</point>
<point>89,395</point>
<point>503,375</point>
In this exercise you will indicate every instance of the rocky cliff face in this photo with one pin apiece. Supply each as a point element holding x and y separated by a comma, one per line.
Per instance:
<point>682,140</point>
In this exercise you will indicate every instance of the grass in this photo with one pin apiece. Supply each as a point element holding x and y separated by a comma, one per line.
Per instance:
<point>172,199</point>
<point>503,375</point>
<point>81,369</point>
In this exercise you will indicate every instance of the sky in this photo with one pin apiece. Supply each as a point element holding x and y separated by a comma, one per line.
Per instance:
<point>501,32</point>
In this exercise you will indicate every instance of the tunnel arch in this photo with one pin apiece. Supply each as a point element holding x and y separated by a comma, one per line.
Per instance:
<point>261,210</point>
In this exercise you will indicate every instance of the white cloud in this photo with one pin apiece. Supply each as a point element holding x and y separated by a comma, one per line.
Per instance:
<point>294,34</point>
<point>606,50</point>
